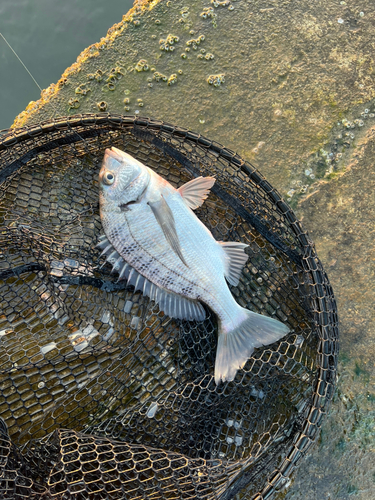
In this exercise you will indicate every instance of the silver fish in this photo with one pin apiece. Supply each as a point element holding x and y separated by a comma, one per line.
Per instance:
<point>156,242</point>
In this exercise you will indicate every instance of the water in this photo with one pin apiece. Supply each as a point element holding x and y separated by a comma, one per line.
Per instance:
<point>48,37</point>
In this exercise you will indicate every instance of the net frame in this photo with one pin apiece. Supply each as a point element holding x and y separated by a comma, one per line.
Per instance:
<point>79,127</point>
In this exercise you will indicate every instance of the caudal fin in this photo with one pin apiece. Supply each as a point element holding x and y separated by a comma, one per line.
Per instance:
<point>236,345</point>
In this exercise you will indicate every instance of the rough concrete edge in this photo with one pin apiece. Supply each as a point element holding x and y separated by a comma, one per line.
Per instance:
<point>91,51</point>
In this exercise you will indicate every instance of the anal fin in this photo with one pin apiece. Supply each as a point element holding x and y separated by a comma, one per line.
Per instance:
<point>172,304</point>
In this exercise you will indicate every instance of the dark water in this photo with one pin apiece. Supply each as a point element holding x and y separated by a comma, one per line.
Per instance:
<point>48,35</point>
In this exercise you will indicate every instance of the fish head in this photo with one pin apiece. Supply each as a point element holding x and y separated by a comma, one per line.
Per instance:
<point>122,178</point>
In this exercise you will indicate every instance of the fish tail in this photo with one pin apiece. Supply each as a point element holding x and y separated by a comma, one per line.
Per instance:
<point>239,337</point>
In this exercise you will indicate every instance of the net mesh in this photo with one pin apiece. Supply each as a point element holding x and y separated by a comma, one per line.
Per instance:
<point>102,396</point>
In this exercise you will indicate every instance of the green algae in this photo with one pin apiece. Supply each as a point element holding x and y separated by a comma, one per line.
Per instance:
<point>361,371</point>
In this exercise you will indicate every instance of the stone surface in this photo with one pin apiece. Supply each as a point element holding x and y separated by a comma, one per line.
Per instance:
<point>291,72</point>
<point>340,219</point>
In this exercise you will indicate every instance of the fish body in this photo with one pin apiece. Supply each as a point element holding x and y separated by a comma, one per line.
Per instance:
<point>154,239</point>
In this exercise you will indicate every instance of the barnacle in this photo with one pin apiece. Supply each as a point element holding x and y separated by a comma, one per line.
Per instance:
<point>142,65</point>
<point>172,79</point>
<point>167,44</point>
<point>102,105</point>
<point>216,80</point>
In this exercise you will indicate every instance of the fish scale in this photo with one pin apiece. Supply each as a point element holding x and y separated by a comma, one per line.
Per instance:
<point>161,268</point>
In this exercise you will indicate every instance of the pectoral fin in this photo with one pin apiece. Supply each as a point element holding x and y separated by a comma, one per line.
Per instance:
<point>196,191</point>
<point>164,216</point>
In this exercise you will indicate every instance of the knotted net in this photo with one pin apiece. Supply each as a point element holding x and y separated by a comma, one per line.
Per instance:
<point>102,396</point>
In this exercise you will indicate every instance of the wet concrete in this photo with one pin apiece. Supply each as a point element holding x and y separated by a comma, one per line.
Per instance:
<point>296,100</point>
<point>340,218</point>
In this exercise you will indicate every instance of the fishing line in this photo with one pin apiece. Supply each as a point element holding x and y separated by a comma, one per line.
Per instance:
<point>20,60</point>
<point>34,80</point>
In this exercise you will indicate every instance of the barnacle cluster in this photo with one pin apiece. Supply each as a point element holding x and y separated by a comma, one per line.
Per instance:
<point>116,72</point>
<point>98,75</point>
<point>325,162</point>
<point>114,75</point>
<point>82,89</point>
<point>348,123</point>
<point>73,103</point>
<point>194,42</point>
<point>217,3</point>
<point>207,56</point>
<point>142,65</point>
<point>258,147</point>
<point>216,80</point>
<point>159,76</point>
<point>168,43</point>
<point>184,14</point>
<point>172,79</point>
<point>358,122</point>
<point>62,82</point>
<point>207,12</point>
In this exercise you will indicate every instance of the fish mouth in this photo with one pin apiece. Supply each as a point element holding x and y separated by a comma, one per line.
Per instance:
<point>113,154</point>
<point>118,155</point>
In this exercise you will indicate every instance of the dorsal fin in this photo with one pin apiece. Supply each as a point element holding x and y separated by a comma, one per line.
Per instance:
<point>236,259</point>
<point>196,191</point>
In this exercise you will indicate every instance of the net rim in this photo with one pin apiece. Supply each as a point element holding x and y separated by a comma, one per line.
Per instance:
<point>326,310</point>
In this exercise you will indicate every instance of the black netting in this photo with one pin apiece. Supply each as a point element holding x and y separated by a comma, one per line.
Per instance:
<point>103,396</point>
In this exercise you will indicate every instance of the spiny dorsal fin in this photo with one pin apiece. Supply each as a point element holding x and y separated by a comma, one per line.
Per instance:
<point>196,191</point>
<point>236,259</point>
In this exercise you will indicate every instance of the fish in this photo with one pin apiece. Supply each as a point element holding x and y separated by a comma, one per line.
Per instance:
<point>153,239</point>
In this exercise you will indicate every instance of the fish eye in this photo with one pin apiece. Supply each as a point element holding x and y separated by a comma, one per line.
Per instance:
<point>108,178</point>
